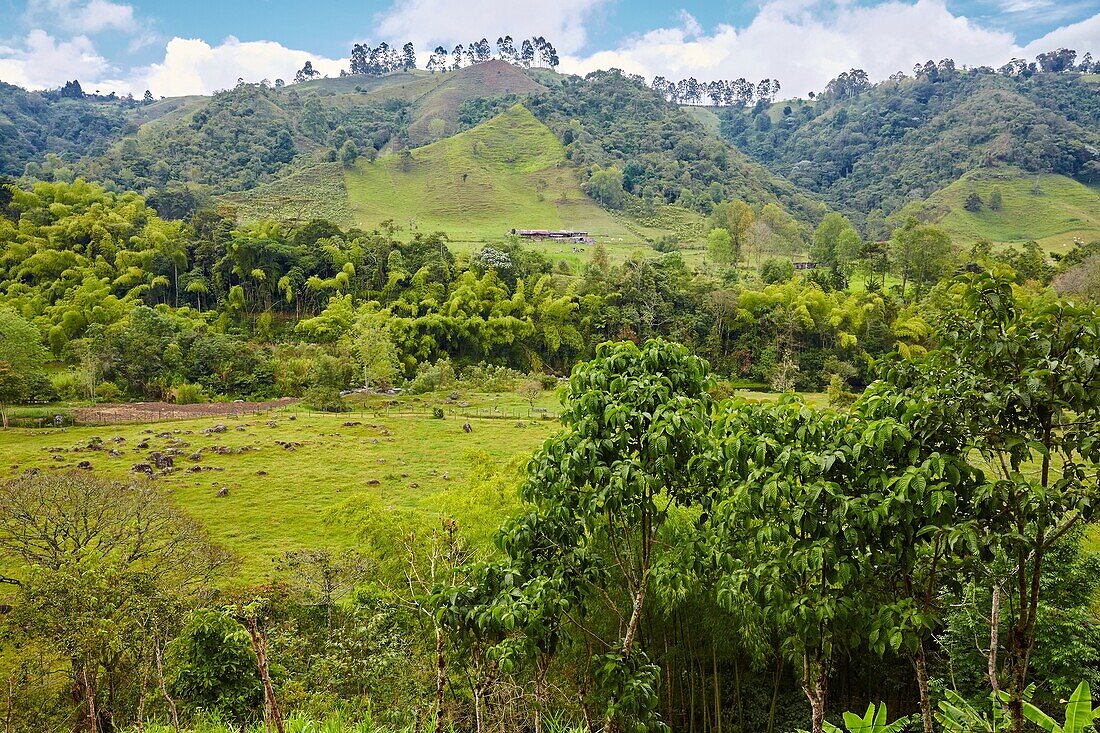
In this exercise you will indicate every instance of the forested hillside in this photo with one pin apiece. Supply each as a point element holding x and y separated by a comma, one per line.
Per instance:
<point>643,152</point>
<point>868,151</point>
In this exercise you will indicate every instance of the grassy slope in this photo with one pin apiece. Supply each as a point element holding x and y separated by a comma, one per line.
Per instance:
<point>1063,209</point>
<point>310,193</point>
<point>443,101</point>
<point>291,506</point>
<point>509,172</point>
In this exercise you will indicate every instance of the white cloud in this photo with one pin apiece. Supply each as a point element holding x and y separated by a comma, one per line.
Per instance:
<point>192,66</point>
<point>805,43</point>
<point>428,23</point>
<point>78,16</point>
<point>1082,36</point>
<point>42,61</point>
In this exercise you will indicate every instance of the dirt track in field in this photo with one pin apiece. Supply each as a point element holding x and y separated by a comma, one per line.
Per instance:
<point>153,411</point>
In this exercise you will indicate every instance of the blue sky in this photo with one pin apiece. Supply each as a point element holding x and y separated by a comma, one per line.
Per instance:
<point>201,45</point>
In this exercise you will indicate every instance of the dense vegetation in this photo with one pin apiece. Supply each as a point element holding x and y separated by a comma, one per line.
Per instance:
<point>674,554</point>
<point>680,558</point>
<point>33,124</point>
<point>871,152</point>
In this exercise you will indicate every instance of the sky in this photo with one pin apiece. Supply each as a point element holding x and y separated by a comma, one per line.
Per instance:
<point>174,47</point>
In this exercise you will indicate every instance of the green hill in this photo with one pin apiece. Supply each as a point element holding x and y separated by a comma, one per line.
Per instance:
<point>871,153</point>
<point>1047,208</point>
<point>315,192</point>
<point>507,173</point>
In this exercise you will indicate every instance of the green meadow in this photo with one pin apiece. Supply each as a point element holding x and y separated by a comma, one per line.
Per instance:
<point>292,476</point>
<point>1049,209</point>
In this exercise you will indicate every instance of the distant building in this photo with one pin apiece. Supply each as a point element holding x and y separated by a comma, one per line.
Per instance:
<point>565,235</point>
<point>805,265</point>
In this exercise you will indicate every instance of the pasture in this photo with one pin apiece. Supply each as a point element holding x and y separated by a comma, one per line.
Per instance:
<point>288,474</point>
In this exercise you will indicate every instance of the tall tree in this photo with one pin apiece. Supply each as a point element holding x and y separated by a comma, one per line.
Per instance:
<point>527,53</point>
<point>22,357</point>
<point>408,57</point>
<point>1026,381</point>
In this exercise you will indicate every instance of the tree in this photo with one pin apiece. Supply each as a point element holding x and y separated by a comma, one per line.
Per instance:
<point>995,202</point>
<point>973,202</point>
<point>1024,378</point>
<point>836,243</point>
<point>598,496</point>
<point>348,154</point>
<point>456,57</point>
<point>737,218</point>
<point>606,186</point>
<point>378,355</point>
<point>408,57</point>
<point>506,49</point>
<point>720,247</point>
<point>789,528</point>
<point>22,356</point>
<point>148,98</point>
<point>438,60</point>
<point>100,561</point>
<point>72,90</point>
<point>306,73</point>
<point>213,667</point>
<point>922,253</point>
<point>530,390</point>
<point>527,53</point>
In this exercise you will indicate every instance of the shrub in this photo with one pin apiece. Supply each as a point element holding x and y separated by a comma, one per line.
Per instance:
<point>490,378</point>
<point>186,393</point>
<point>325,399</point>
<point>776,270</point>
<point>431,377</point>
<point>69,385</point>
<point>437,413</point>
<point>107,392</point>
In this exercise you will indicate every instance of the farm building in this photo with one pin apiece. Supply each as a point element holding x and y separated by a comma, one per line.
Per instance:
<point>568,235</point>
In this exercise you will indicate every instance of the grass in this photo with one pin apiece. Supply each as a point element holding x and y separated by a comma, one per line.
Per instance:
<point>1048,208</point>
<point>507,173</point>
<point>316,192</point>
<point>283,499</point>
<point>388,454</point>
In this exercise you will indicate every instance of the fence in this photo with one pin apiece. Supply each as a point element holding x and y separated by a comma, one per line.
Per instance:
<point>124,414</point>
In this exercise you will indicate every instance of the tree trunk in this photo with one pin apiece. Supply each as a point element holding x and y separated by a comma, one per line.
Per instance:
<point>815,685</point>
<point>635,619</point>
<point>542,667</point>
<point>479,714</point>
<point>440,678</point>
<point>920,662</point>
<point>89,695</point>
<point>164,688</point>
<point>775,690</point>
<point>717,687</point>
<point>259,645</point>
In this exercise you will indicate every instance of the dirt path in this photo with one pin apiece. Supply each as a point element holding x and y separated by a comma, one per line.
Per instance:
<point>153,411</point>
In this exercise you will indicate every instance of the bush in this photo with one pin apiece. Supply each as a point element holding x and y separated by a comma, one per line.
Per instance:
<point>432,377</point>
<point>186,393</point>
<point>69,385</point>
<point>437,413</point>
<point>490,378</point>
<point>839,395</point>
<point>107,392</point>
<point>325,399</point>
<point>776,270</point>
